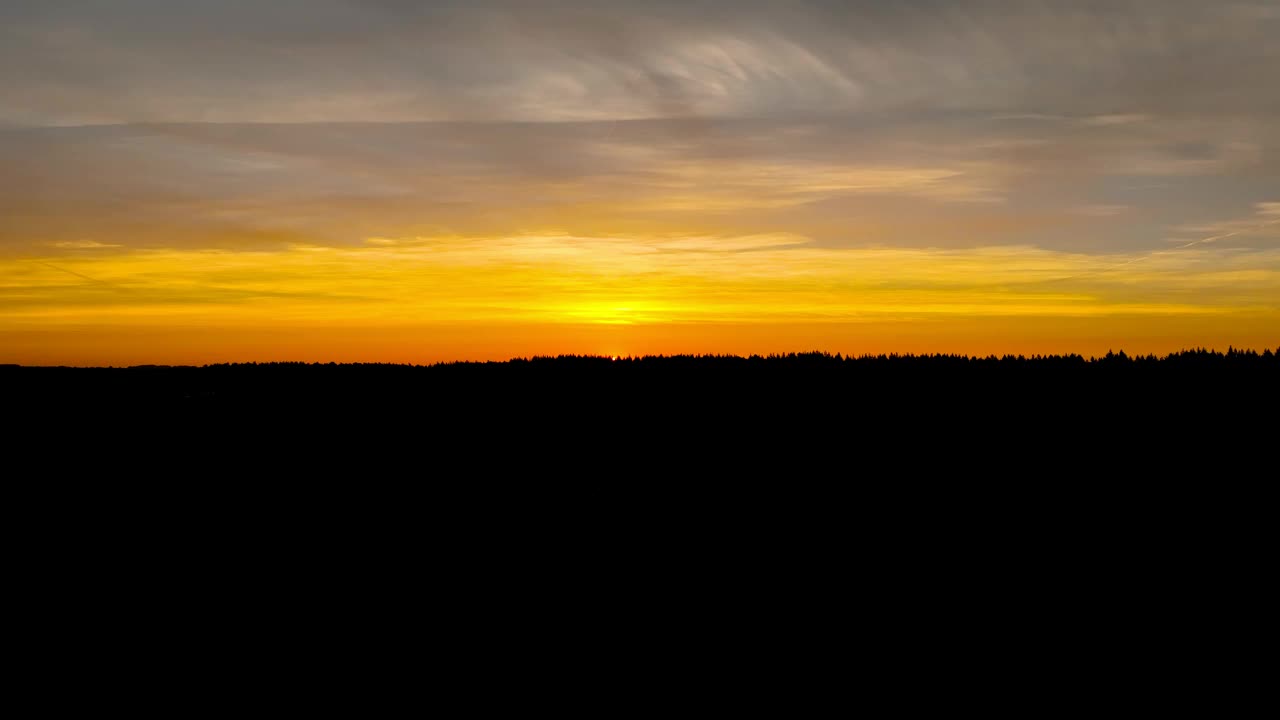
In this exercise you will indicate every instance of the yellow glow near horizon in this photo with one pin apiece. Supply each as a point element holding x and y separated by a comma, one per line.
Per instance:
<point>443,298</point>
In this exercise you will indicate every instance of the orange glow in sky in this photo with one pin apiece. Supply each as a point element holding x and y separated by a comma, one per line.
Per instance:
<point>190,182</point>
<point>431,299</point>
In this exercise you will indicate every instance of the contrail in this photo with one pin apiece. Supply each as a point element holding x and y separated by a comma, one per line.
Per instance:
<point>72,272</point>
<point>1251,228</point>
<point>104,283</point>
<point>1154,253</point>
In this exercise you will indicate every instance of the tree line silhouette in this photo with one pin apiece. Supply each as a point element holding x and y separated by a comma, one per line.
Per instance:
<point>827,414</point>
<point>1184,358</point>
<point>682,377</point>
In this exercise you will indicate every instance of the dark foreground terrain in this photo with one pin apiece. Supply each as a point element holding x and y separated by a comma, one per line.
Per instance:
<point>919,480</point>
<point>894,414</point>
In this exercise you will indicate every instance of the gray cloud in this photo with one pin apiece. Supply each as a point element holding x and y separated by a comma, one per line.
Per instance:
<point>1065,123</point>
<point>323,60</point>
<point>896,179</point>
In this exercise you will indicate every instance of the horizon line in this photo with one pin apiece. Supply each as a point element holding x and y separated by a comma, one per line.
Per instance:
<point>809,354</point>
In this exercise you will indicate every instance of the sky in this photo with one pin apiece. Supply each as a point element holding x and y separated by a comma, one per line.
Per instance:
<point>194,181</point>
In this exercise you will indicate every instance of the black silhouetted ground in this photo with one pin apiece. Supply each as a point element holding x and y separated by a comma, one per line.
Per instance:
<point>815,462</point>
<point>710,406</point>
<point>812,382</point>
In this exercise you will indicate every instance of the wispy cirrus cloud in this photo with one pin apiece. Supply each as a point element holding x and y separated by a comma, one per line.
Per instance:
<point>627,279</point>
<point>83,245</point>
<point>539,60</point>
<point>624,161</point>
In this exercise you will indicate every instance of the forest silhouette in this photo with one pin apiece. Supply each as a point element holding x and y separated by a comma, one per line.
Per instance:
<point>1195,411</point>
<point>686,379</point>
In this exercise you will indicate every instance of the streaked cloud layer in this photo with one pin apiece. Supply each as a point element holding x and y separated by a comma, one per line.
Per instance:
<point>96,61</point>
<point>747,165</point>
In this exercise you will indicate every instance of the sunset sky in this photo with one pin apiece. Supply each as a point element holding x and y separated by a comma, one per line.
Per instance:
<point>193,181</point>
